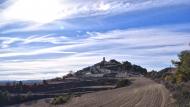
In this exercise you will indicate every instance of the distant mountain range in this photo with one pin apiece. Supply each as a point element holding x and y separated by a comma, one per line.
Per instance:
<point>4,82</point>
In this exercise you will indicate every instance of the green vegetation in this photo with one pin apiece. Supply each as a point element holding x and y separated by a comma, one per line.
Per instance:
<point>4,97</point>
<point>182,73</point>
<point>122,83</point>
<point>176,79</point>
<point>113,65</point>
<point>61,99</point>
<point>183,67</point>
<point>28,94</point>
<point>139,69</point>
<point>182,97</point>
<point>170,78</point>
<point>127,65</point>
<point>45,82</point>
<point>7,99</point>
<point>176,82</point>
<point>180,93</point>
<point>19,86</point>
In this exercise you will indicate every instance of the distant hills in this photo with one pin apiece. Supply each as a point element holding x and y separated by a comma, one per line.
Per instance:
<point>162,74</point>
<point>28,82</point>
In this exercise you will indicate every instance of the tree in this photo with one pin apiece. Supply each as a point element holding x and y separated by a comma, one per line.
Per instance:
<point>113,61</point>
<point>183,66</point>
<point>139,69</point>
<point>20,83</point>
<point>127,65</point>
<point>8,84</point>
<point>4,97</point>
<point>45,82</point>
<point>19,86</point>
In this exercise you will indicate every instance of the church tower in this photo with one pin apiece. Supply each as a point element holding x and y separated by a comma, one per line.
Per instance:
<point>104,59</point>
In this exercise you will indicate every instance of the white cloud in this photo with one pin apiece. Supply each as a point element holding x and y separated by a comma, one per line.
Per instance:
<point>104,7</point>
<point>7,41</point>
<point>152,48</point>
<point>40,11</point>
<point>45,39</point>
<point>47,11</point>
<point>38,14</point>
<point>57,67</point>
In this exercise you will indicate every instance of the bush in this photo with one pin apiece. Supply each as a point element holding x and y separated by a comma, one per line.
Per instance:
<point>180,93</point>
<point>122,83</point>
<point>182,97</point>
<point>28,94</point>
<point>183,67</point>
<point>4,97</point>
<point>60,99</point>
<point>170,78</point>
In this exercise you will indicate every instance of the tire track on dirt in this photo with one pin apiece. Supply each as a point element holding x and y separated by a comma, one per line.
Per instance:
<point>142,92</point>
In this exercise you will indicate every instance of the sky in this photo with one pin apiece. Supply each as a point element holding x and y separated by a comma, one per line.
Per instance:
<point>41,39</point>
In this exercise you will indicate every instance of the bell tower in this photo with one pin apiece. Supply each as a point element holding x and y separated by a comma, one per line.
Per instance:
<point>104,59</point>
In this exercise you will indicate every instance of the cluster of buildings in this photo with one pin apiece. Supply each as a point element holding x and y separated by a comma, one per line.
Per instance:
<point>110,68</point>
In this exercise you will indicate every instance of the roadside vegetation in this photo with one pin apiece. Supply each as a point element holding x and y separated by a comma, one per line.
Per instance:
<point>6,98</point>
<point>61,99</point>
<point>177,79</point>
<point>183,67</point>
<point>123,83</point>
<point>180,78</point>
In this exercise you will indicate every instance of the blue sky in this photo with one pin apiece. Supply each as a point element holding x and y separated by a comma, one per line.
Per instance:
<point>42,39</point>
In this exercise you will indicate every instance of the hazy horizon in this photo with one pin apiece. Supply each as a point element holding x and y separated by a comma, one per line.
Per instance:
<point>42,39</point>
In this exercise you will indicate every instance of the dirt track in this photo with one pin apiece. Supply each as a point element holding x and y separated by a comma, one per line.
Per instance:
<point>141,93</point>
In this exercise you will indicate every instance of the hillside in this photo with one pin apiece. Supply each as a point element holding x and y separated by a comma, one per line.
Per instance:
<point>98,77</point>
<point>112,68</point>
<point>97,86</point>
<point>142,92</point>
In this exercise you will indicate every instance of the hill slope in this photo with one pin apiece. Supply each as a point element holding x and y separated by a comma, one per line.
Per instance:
<point>141,93</point>
<point>112,66</point>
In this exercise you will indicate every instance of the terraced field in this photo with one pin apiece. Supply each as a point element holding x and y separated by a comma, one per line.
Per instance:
<point>141,93</point>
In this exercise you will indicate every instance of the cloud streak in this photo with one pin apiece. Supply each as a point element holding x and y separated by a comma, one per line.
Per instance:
<point>51,37</point>
<point>150,47</point>
<point>7,41</point>
<point>52,10</point>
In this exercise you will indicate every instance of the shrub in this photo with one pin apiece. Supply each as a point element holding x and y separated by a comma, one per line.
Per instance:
<point>179,93</point>
<point>183,66</point>
<point>170,78</point>
<point>4,97</point>
<point>28,94</point>
<point>182,97</point>
<point>122,83</point>
<point>61,99</point>
<point>45,82</point>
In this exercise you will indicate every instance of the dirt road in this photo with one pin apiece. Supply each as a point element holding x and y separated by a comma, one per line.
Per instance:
<point>141,93</point>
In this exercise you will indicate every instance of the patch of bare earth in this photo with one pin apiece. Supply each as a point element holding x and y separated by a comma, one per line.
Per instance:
<point>141,93</point>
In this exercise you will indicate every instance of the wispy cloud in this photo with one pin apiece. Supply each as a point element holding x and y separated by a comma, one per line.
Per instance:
<point>42,36</point>
<point>52,10</point>
<point>150,47</point>
<point>5,42</point>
